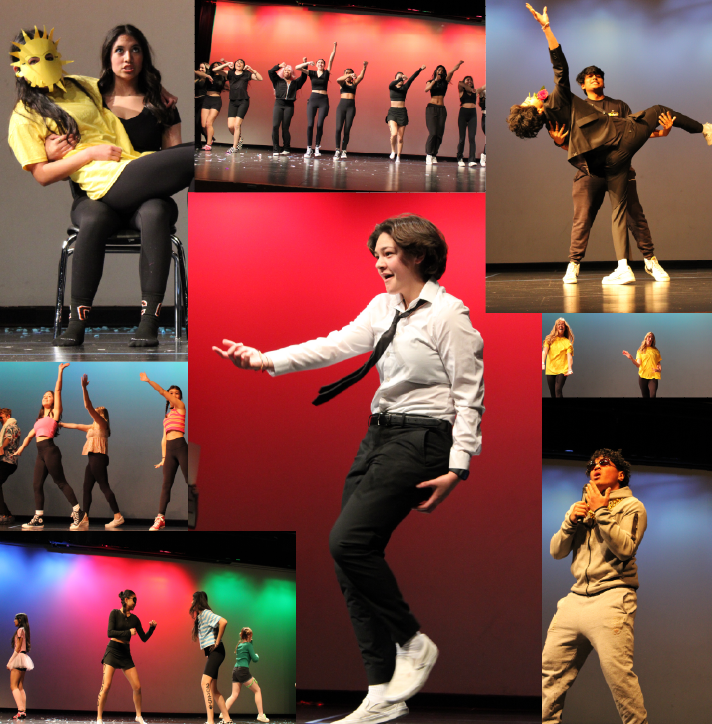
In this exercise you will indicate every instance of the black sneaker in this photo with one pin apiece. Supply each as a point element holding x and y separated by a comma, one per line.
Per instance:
<point>35,524</point>
<point>80,520</point>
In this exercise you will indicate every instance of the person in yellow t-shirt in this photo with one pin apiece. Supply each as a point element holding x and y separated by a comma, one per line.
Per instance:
<point>647,360</point>
<point>557,357</point>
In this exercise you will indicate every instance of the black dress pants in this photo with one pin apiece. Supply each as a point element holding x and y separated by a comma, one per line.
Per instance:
<point>282,116</point>
<point>379,493</point>
<point>435,117</point>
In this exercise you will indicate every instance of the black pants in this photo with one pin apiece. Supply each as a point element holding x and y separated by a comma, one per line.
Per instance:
<point>484,116</point>
<point>435,117</point>
<point>96,472</point>
<point>176,455</point>
<point>199,128</point>
<point>379,492</point>
<point>49,462</point>
<point>556,384</point>
<point>588,193</point>
<point>6,470</point>
<point>648,388</point>
<point>467,122</point>
<point>282,116</point>
<point>318,102</point>
<point>345,114</point>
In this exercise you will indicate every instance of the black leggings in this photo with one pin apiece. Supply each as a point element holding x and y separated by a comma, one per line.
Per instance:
<point>345,113</point>
<point>96,473</point>
<point>49,461</point>
<point>648,388</point>
<point>556,384</point>
<point>176,454</point>
<point>317,102</point>
<point>467,121</point>
<point>6,470</point>
<point>484,116</point>
<point>435,117</point>
<point>199,129</point>
<point>282,116</point>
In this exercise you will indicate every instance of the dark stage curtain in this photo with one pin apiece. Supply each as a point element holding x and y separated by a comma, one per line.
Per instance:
<point>204,17</point>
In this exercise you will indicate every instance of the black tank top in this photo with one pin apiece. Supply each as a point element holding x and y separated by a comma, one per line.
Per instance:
<point>468,97</point>
<point>346,88</point>
<point>438,88</point>
<point>319,83</point>
<point>218,83</point>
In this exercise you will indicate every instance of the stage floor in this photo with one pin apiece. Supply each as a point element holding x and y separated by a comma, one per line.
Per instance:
<point>49,717</point>
<point>258,170</point>
<point>689,290</point>
<point>59,525</point>
<point>326,714</point>
<point>101,344</point>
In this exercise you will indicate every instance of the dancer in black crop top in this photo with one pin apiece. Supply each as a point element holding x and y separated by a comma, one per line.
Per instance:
<point>397,118</point>
<point>318,104</point>
<point>435,111</point>
<point>239,77</point>
<point>467,119</point>
<point>200,92</point>
<point>122,626</point>
<point>212,103</point>
<point>346,110</point>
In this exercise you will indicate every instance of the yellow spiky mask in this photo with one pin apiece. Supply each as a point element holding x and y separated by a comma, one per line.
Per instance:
<point>46,71</point>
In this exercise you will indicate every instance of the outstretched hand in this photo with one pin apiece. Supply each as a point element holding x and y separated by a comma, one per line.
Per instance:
<point>627,354</point>
<point>557,134</point>
<point>541,18</point>
<point>144,377</point>
<point>85,380</point>
<point>246,358</point>
<point>666,121</point>
<point>63,365</point>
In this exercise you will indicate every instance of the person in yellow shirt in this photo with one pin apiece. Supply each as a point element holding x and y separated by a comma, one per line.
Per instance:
<point>557,357</point>
<point>647,360</point>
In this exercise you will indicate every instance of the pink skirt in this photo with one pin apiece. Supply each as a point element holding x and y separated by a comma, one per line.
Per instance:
<point>22,661</point>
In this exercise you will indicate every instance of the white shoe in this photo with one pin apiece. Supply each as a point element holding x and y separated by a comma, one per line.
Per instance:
<point>317,151</point>
<point>620,276</point>
<point>285,153</point>
<point>393,155</point>
<point>707,133</point>
<point>435,160</point>
<point>460,163</point>
<point>308,153</point>
<point>483,160</point>
<point>412,670</point>
<point>397,159</point>
<point>275,153</point>
<point>116,522</point>
<point>35,524</point>
<point>652,266</point>
<point>374,713</point>
<point>572,272</point>
<point>337,154</point>
<point>80,520</point>
<point>343,154</point>
<point>428,160</point>
<point>262,717</point>
<point>472,163</point>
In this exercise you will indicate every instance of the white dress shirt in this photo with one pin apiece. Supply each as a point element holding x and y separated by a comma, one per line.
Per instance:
<point>433,366</point>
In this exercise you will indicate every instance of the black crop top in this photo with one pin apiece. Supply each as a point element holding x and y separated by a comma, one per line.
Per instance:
<point>319,83</point>
<point>145,131</point>
<point>468,97</point>
<point>238,85</point>
<point>200,89</point>
<point>218,83</point>
<point>399,94</point>
<point>438,88</point>
<point>346,88</point>
<point>120,627</point>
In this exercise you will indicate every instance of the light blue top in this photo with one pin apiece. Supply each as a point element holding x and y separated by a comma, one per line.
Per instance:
<point>207,628</point>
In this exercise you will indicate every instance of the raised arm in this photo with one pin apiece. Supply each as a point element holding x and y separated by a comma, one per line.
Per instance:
<point>98,419</point>
<point>25,443</point>
<point>58,391</point>
<point>178,403</point>
<point>543,20</point>
<point>360,76</point>
<point>452,72</point>
<point>75,426</point>
<point>255,74</point>
<point>331,58</point>
<point>406,85</point>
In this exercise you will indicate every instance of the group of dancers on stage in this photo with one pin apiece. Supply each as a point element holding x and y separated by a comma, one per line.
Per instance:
<point>557,359</point>
<point>601,136</point>
<point>208,630</point>
<point>211,80</point>
<point>49,457</point>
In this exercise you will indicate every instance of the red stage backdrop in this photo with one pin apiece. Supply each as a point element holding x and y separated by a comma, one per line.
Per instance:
<point>277,269</point>
<point>266,35</point>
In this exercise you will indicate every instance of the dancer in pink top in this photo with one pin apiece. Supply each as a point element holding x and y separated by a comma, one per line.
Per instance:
<point>19,663</point>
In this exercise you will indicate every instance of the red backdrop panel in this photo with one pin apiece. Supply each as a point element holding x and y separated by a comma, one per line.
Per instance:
<point>276,269</point>
<point>265,36</point>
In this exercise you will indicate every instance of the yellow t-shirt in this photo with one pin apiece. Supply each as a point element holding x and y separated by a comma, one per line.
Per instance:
<point>649,360</point>
<point>97,125</point>
<point>556,361</point>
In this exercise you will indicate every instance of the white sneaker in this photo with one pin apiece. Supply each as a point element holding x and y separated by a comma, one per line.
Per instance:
<point>412,670</point>
<point>428,160</point>
<point>393,155</point>
<point>116,522</point>
<point>572,272</point>
<point>397,159</point>
<point>652,266</point>
<point>472,163</point>
<point>337,154</point>
<point>460,163</point>
<point>707,133</point>
<point>275,153</point>
<point>374,713</point>
<point>483,160</point>
<point>80,520</point>
<point>285,153</point>
<point>317,151</point>
<point>35,524</point>
<point>343,154</point>
<point>308,153</point>
<point>620,276</point>
<point>262,717</point>
<point>435,160</point>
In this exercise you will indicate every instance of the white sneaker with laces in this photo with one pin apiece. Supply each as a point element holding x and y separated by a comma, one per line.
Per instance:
<point>483,160</point>
<point>285,153</point>
<point>308,153</point>
<point>620,276</point>
<point>397,159</point>
<point>572,272</point>
<point>707,133</point>
<point>412,669</point>
<point>337,154</point>
<point>116,522</point>
<point>317,151</point>
<point>393,155</point>
<point>460,163</point>
<point>343,154</point>
<point>374,713</point>
<point>80,520</point>
<point>262,717</point>
<point>35,524</point>
<point>652,266</point>
<point>472,163</point>
<point>428,160</point>
<point>435,160</point>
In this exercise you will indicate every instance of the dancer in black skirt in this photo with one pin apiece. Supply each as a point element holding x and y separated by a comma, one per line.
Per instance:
<point>397,118</point>
<point>122,626</point>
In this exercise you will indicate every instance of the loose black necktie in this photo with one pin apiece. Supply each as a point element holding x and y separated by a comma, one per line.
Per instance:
<point>328,392</point>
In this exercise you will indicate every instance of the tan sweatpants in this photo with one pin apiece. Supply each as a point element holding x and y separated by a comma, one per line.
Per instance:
<point>581,624</point>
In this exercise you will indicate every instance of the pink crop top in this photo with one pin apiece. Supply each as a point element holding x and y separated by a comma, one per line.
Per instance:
<point>46,427</point>
<point>20,634</point>
<point>174,421</point>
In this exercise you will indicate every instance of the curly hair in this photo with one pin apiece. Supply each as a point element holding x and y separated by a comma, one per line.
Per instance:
<point>616,457</point>
<point>525,121</point>
<point>568,332</point>
<point>591,70</point>
<point>642,347</point>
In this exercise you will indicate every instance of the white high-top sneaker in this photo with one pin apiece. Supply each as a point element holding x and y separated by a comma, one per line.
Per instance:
<point>652,266</point>
<point>572,272</point>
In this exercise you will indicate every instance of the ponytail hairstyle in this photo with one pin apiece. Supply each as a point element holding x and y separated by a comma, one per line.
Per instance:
<point>22,622</point>
<point>200,603</point>
<point>128,593</point>
<point>245,632</point>
<point>168,404</point>
<point>105,414</point>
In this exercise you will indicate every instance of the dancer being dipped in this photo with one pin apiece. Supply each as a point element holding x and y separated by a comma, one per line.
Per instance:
<point>241,675</point>
<point>467,119</point>
<point>208,630</point>
<point>9,442</point>
<point>557,357</point>
<point>123,624</point>
<point>397,116</point>
<point>49,457</point>
<point>96,449</point>
<point>598,144</point>
<point>173,446</point>
<point>346,110</point>
<point>423,430</point>
<point>647,360</point>
<point>285,93</point>
<point>435,111</point>
<point>239,77</point>
<point>20,663</point>
<point>318,102</point>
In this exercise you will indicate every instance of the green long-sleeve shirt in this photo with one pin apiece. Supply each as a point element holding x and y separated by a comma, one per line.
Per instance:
<point>245,654</point>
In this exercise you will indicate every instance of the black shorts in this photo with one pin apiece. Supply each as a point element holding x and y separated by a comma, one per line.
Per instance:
<point>399,115</point>
<point>118,655</point>
<point>238,108</point>
<point>212,103</point>
<point>215,659</point>
<point>241,674</point>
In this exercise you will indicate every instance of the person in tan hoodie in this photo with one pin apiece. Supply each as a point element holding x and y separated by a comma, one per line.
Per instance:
<point>602,532</point>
